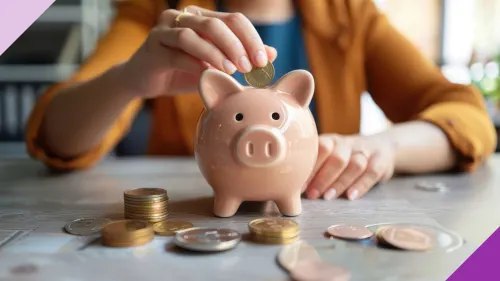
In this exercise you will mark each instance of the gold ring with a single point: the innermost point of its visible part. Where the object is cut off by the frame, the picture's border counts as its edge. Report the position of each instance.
(178, 18)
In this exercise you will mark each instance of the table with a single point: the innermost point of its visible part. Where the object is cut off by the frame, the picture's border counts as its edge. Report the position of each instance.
(34, 206)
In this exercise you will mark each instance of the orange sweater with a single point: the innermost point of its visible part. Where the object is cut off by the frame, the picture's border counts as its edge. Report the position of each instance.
(351, 47)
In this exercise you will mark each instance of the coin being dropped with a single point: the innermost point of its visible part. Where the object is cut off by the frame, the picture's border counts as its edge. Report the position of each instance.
(291, 254)
(407, 238)
(318, 270)
(349, 232)
(260, 76)
(167, 228)
(86, 226)
(207, 239)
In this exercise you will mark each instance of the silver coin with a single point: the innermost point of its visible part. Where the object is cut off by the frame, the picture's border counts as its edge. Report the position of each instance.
(434, 187)
(86, 226)
(207, 239)
(290, 255)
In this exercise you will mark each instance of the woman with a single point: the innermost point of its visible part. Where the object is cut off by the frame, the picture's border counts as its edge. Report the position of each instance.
(157, 54)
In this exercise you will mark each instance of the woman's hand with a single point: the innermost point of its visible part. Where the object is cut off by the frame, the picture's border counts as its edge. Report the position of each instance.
(350, 166)
(183, 44)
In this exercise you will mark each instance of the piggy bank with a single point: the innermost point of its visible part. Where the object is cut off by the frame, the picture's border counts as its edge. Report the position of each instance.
(256, 144)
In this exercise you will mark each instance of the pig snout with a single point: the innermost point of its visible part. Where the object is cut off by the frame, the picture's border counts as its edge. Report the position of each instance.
(260, 146)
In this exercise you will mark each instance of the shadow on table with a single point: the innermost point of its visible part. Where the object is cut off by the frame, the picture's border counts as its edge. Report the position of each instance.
(203, 206)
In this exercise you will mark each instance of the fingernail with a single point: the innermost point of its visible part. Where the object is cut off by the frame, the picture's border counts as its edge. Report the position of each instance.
(261, 58)
(353, 195)
(228, 66)
(330, 194)
(313, 194)
(245, 64)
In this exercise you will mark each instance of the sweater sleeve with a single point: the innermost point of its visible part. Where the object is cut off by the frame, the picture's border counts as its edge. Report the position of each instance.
(407, 86)
(126, 33)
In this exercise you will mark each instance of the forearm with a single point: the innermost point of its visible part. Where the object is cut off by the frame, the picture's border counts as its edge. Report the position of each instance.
(420, 147)
(78, 118)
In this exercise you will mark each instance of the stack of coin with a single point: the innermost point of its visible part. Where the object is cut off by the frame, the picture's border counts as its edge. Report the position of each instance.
(405, 238)
(148, 204)
(274, 230)
(127, 233)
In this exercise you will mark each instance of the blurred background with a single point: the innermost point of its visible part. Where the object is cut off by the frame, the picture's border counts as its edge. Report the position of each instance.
(461, 36)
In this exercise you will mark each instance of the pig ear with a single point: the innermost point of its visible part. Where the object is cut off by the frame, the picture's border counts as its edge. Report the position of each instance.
(299, 83)
(215, 86)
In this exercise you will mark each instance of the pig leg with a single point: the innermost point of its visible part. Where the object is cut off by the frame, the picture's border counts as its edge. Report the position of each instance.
(226, 206)
(290, 206)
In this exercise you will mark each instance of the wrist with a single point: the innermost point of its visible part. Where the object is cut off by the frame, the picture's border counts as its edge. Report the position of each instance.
(122, 88)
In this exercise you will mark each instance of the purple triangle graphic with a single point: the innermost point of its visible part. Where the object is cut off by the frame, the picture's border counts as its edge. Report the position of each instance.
(16, 16)
(483, 264)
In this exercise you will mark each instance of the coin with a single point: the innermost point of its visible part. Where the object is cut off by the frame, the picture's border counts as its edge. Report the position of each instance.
(85, 226)
(407, 238)
(146, 192)
(148, 204)
(349, 232)
(274, 227)
(274, 240)
(289, 255)
(260, 76)
(434, 187)
(314, 270)
(207, 239)
(168, 228)
(127, 233)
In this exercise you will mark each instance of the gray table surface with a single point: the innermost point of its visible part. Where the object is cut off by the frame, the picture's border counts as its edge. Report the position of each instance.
(34, 207)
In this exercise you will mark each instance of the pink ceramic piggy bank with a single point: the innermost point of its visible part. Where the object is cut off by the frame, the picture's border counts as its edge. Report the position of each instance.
(255, 144)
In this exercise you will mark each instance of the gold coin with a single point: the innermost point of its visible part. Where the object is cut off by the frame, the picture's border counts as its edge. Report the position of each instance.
(167, 228)
(145, 192)
(274, 240)
(274, 227)
(260, 76)
(126, 227)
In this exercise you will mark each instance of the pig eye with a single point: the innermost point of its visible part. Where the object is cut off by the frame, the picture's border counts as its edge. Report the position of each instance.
(239, 117)
(275, 116)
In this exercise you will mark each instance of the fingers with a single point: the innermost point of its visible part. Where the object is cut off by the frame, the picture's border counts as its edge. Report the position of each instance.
(190, 42)
(243, 29)
(219, 34)
(357, 165)
(374, 172)
(331, 169)
(272, 53)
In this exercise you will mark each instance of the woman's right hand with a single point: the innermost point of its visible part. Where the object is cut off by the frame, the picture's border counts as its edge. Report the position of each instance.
(176, 52)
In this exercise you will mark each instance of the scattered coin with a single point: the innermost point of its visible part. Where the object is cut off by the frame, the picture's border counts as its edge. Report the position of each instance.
(434, 187)
(207, 239)
(168, 228)
(349, 232)
(260, 76)
(85, 226)
(127, 233)
(274, 230)
(289, 255)
(149, 204)
(406, 238)
(315, 270)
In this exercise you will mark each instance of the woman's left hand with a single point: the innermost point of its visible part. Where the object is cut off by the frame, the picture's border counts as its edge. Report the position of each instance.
(350, 166)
